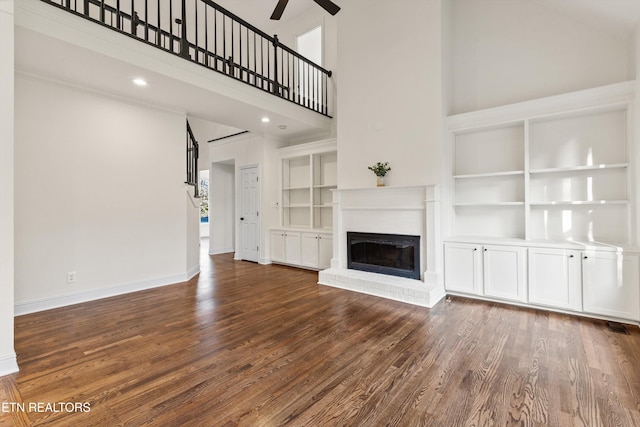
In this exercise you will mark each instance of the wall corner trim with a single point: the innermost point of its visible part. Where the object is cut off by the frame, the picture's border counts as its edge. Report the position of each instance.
(8, 364)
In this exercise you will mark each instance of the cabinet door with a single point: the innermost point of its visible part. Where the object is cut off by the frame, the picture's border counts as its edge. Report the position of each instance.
(463, 268)
(610, 284)
(325, 250)
(309, 250)
(277, 246)
(555, 278)
(292, 248)
(504, 272)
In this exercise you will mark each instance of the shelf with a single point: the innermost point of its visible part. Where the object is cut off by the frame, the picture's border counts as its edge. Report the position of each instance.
(489, 204)
(489, 175)
(307, 181)
(580, 203)
(295, 188)
(580, 168)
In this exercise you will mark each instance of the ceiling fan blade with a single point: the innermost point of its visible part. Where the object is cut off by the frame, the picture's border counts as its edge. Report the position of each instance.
(329, 6)
(277, 12)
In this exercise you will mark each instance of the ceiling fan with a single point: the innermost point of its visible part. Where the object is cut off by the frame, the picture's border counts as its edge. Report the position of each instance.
(328, 5)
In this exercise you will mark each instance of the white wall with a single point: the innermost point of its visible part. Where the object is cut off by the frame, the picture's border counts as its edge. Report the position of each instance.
(390, 91)
(221, 208)
(247, 150)
(7, 354)
(99, 191)
(511, 51)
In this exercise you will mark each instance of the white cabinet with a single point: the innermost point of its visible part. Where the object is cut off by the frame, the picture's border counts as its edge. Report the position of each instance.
(610, 282)
(555, 278)
(303, 249)
(277, 245)
(496, 271)
(285, 247)
(463, 267)
(317, 250)
(504, 272)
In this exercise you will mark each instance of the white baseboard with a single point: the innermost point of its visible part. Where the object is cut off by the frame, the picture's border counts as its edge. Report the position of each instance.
(193, 272)
(264, 261)
(8, 364)
(220, 251)
(33, 306)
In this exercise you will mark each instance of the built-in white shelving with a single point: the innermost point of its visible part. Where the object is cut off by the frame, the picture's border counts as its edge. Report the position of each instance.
(543, 204)
(563, 175)
(488, 175)
(309, 173)
(580, 168)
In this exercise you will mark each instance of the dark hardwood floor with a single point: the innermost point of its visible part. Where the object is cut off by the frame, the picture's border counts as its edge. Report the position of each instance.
(251, 345)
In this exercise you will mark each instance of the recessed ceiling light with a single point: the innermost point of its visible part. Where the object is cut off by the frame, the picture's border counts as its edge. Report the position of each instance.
(140, 82)
(266, 120)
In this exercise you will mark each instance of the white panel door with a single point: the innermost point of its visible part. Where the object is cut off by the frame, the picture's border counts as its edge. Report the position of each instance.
(555, 278)
(611, 284)
(504, 272)
(249, 213)
(463, 268)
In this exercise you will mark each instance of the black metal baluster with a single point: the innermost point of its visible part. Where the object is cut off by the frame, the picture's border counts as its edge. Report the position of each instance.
(102, 11)
(248, 58)
(118, 14)
(184, 45)
(197, 41)
(275, 88)
(146, 20)
(233, 47)
(262, 62)
(158, 37)
(241, 76)
(206, 37)
(215, 39)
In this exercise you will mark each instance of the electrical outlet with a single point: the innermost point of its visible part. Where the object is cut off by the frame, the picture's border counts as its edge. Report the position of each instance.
(71, 277)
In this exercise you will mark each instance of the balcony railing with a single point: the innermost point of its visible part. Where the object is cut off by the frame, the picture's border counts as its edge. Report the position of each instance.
(209, 35)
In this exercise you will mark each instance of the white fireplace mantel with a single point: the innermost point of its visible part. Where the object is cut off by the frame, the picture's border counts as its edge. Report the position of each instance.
(394, 210)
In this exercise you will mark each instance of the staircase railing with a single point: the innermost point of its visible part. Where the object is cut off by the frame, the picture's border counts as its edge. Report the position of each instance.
(207, 34)
(192, 162)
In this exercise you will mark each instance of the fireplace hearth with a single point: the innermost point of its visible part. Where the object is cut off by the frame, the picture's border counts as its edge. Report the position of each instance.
(391, 254)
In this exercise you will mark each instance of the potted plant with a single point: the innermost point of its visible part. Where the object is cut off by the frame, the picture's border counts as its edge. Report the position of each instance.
(380, 169)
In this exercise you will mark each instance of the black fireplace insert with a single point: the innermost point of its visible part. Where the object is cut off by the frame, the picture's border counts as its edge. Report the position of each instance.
(392, 254)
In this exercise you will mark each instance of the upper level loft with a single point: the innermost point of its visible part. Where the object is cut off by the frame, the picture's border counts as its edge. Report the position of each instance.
(215, 73)
(205, 33)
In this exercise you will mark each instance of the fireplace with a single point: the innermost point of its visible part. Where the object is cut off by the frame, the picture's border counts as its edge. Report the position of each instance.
(392, 254)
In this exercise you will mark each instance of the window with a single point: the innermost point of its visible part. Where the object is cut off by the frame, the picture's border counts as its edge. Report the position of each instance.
(309, 44)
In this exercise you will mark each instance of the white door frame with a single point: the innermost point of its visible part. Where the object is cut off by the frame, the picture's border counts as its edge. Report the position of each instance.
(240, 254)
